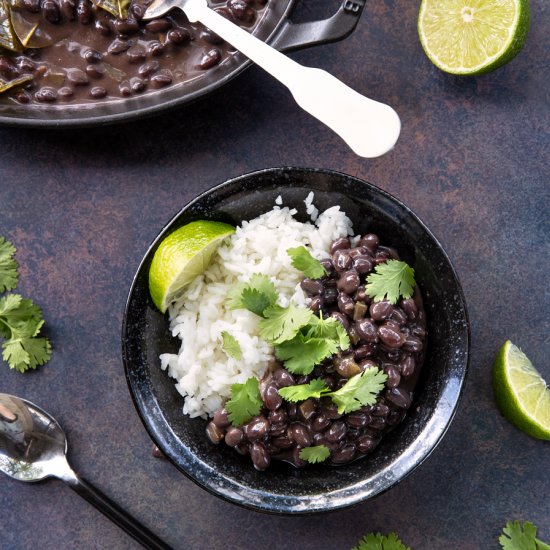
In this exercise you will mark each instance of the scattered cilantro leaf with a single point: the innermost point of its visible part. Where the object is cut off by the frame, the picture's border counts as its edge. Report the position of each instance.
(301, 392)
(303, 261)
(245, 402)
(239, 299)
(359, 390)
(390, 280)
(231, 346)
(283, 323)
(377, 541)
(329, 328)
(8, 266)
(517, 537)
(318, 453)
(301, 354)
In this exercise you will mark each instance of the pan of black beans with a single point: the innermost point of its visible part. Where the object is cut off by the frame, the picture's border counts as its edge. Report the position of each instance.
(82, 62)
(421, 344)
(385, 336)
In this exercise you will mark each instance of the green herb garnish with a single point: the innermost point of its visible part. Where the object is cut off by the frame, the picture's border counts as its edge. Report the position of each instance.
(359, 390)
(245, 402)
(253, 295)
(283, 323)
(303, 261)
(390, 280)
(20, 319)
(301, 354)
(118, 8)
(319, 453)
(376, 541)
(231, 346)
(329, 328)
(301, 392)
(517, 537)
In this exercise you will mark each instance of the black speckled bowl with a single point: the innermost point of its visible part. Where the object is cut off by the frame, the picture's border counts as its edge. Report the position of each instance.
(283, 489)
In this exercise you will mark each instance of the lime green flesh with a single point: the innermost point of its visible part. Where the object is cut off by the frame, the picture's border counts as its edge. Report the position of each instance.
(522, 395)
(468, 37)
(182, 256)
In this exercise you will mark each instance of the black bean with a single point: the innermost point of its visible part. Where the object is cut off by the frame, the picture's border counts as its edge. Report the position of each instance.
(311, 286)
(32, 6)
(366, 330)
(356, 419)
(365, 350)
(22, 97)
(118, 46)
(126, 26)
(277, 429)
(327, 264)
(67, 8)
(329, 381)
(211, 37)
(278, 416)
(138, 11)
(300, 434)
(413, 344)
(295, 457)
(102, 27)
(395, 417)
(343, 454)
(84, 12)
(341, 260)
(214, 433)
(50, 11)
(158, 25)
(342, 243)
(377, 423)
(26, 65)
(366, 444)
(409, 307)
(399, 316)
(95, 71)
(363, 264)
(394, 378)
(399, 397)
(125, 89)
(259, 455)
(210, 59)
(368, 364)
(137, 84)
(348, 282)
(92, 56)
(336, 431)
(380, 257)
(283, 442)
(8, 69)
(256, 428)
(380, 310)
(136, 54)
(361, 295)
(98, 92)
(155, 48)
(418, 330)
(320, 422)
(178, 36)
(271, 397)
(390, 336)
(345, 304)
(380, 410)
(370, 241)
(341, 317)
(242, 11)
(407, 366)
(283, 378)
(242, 448)
(77, 77)
(233, 436)
(46, 94)
(220, 418)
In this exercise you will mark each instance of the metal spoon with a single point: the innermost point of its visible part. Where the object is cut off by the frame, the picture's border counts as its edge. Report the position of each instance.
(370, 128)
(33, 447)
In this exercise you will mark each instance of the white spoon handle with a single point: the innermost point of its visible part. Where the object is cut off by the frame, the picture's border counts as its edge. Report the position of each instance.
(370, 128)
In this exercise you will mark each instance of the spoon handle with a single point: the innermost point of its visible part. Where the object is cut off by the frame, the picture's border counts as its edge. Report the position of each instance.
(369, 127)
(122, 518)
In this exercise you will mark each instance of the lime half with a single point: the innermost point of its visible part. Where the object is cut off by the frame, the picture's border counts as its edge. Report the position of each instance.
(522, 395)
(182, 256)
(469, 37)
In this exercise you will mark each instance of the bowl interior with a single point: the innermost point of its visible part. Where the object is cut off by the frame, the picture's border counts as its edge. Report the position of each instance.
(282, 488)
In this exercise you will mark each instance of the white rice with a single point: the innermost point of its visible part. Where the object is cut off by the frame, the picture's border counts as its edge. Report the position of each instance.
(203, 371)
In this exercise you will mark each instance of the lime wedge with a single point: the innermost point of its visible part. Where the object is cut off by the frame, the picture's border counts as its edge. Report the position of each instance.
(469, 37)
(522, 395)
(182, 256)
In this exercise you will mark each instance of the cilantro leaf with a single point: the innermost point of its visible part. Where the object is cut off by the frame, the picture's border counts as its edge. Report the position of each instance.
(301, 392)
(26, 352)
(301, 354)
(231, 346)
(517, 537)
(245, 402)
(329, 328)
(283, 323)
(16, 310)
(303, 261)
(378, 541)
(359, 390)
(390, 280)
(259, 283)
(8, 266)
(255, 301)
(319, 453)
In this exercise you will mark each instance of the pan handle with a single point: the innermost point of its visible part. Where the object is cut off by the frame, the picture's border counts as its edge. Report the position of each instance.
(296, 36)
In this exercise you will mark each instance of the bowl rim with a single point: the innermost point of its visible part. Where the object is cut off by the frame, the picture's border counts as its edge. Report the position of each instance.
(339, 498)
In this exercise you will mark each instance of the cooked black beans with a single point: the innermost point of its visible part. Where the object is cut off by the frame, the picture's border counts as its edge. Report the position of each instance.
(383, 336)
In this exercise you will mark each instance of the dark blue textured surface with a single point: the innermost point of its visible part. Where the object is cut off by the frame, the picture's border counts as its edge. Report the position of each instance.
(81, 207)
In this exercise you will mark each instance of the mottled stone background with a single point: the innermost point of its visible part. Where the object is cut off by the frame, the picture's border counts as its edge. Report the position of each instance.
(82, 207)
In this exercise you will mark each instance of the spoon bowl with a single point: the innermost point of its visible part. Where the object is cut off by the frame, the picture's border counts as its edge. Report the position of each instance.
(33, 447)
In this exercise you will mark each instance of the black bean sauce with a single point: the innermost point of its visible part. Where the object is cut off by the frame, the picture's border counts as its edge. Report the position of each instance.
(385, 336)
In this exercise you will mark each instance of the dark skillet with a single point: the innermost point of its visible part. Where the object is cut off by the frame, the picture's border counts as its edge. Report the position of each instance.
(281, 488)
(276, 28)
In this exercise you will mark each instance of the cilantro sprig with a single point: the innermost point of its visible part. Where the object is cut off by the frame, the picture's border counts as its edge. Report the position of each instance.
(521, 537)
(245, 402)
(318, 453)
(377, 541)
(20, 319)
(303, 261)
(390, 280)
(231, 346)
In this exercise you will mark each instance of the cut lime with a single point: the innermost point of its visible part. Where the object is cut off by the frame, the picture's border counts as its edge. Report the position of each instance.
(182, 256)
(522, 395)
(469, 37)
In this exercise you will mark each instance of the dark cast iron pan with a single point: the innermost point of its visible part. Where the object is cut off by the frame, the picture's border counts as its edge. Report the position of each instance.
(276, 28)
(282, 488)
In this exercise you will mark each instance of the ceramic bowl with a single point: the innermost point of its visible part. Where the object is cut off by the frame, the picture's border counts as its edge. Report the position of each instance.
(282, 488)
